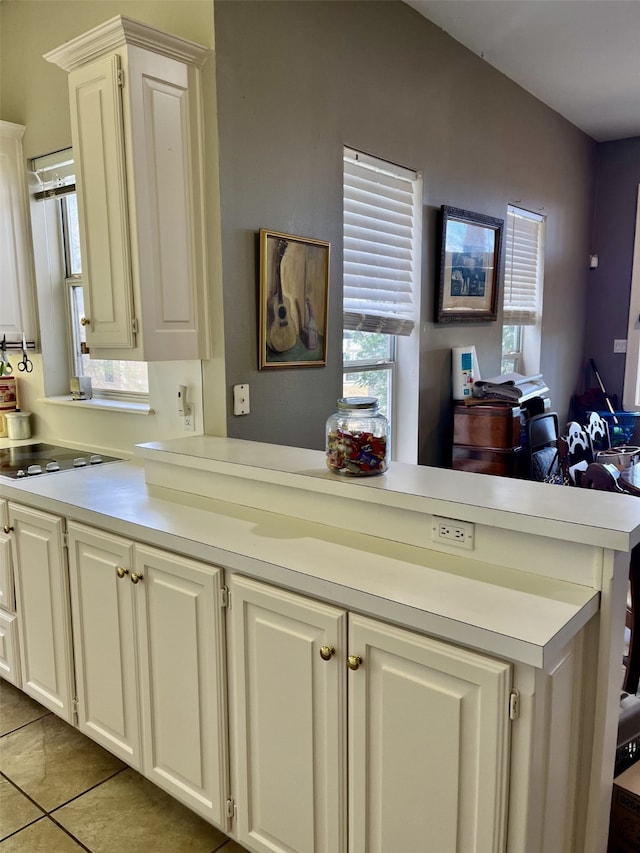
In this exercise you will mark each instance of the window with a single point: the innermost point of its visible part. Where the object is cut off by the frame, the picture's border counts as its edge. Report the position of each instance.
(631, 394)
(109, 378)
(381, 301)
(523, 285)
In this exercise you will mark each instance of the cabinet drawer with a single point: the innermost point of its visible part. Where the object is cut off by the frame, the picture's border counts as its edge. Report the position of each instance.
(503, 463)
(491, 426)
(9, 658)
(7, 594)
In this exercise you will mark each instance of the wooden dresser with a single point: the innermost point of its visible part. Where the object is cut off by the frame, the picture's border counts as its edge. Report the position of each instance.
(487, 439)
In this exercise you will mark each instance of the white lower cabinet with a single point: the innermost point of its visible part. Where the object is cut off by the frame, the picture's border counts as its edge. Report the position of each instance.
(102, 607)
(288, 720)
(149, 650)
(42, 605)
(424, 765)
(9, 648)
(428, 744)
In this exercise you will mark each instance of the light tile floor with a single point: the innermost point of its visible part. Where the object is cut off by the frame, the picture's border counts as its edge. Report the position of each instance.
(62, 793)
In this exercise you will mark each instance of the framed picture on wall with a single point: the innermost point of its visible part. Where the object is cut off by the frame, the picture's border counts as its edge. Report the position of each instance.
(294, 297)
(469, 266)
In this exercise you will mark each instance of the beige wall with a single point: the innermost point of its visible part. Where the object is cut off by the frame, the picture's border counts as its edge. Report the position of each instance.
(34, 93)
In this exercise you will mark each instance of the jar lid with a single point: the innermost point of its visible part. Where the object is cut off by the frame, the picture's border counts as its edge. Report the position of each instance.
(358, 402)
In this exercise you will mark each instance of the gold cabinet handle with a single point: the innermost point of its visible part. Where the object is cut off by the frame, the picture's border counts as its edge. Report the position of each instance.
(85, 321)
(7, 528)
(327, 652)
(135, 577)
(354, 661)
(121, 572)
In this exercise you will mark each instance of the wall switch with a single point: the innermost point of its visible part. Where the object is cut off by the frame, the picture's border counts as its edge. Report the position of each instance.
(240, 399)
(620, 345)
(450, 531)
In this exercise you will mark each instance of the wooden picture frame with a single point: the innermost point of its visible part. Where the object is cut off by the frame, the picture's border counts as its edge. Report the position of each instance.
(469, 266)
(294, 300)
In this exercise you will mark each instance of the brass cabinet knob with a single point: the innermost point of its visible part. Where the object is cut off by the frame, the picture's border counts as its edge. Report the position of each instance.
(121, 572)
(327, 652)
(354, 661)
(85, 321)
(8, 529)
(135, 577)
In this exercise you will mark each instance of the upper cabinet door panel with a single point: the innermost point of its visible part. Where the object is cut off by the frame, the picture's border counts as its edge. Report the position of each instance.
(98, 143)
(159, 105)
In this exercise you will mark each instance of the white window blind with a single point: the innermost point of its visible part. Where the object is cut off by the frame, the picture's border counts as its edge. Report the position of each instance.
(523, 268)
(382, 250)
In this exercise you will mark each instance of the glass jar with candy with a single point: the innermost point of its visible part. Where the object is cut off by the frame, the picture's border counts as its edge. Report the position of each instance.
(358, 439)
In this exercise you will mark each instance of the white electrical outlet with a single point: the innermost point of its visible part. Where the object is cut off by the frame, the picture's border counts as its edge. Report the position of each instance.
(189, 420)
(241, 400)
(620, 345)
(450, 531)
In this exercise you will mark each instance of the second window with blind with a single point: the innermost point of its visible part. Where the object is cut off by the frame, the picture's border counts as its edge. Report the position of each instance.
(523, 286)
(381, 301)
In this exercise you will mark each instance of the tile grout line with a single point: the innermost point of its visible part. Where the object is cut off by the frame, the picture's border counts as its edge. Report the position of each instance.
(91, 788)
(66, 831)
(50, 815)
(24, 725)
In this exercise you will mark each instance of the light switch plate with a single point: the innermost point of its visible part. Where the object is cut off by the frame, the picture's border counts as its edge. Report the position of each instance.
(241, 400)
(620, 345)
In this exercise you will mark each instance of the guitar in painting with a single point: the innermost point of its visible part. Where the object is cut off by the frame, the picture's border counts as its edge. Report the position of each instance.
(281, 331)
(308, 327)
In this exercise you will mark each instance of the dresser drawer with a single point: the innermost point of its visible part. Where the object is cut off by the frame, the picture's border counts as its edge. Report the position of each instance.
(495, 426)
(503, 463)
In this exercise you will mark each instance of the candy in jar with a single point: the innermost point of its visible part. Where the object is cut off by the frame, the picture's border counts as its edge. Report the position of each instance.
(357, 438)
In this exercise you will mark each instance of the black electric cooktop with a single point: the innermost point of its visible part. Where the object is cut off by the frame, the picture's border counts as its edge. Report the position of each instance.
(32, 460)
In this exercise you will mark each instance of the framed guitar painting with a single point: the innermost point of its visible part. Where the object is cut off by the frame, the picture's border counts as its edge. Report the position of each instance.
(294, 296)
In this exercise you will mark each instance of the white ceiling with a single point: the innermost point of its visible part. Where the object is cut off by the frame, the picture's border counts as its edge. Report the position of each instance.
(581, 57)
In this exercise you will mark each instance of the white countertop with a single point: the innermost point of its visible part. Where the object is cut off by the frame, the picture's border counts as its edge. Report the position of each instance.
(515, 615)
(568, 514)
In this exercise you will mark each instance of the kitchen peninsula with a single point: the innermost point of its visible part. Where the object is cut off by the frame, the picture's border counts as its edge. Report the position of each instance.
(355, 657)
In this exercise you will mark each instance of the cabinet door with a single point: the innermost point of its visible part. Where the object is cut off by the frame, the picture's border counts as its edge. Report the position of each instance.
(7, 594)
(288, 721)
(42, 600)
(98, 144)
(182, 677)
(9, 657)
(428, 744)
(104, 640)
(162, 104)
(17, 280)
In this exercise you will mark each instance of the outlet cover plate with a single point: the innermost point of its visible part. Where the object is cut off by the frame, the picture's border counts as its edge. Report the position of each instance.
(452, 531)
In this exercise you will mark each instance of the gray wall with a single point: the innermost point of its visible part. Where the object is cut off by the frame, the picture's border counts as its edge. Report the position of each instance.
(298, 80)
(609, 286)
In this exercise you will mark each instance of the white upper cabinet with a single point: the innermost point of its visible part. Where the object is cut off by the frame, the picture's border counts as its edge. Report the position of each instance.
(17, 284)
(137, 132)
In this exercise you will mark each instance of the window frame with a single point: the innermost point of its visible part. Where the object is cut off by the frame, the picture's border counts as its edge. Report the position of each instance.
(631, 388)
(403, 365)
(74, 351)
(526, 358)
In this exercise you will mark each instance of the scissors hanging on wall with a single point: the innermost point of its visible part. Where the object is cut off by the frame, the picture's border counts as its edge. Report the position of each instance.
(5, 365)
(25, 365)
